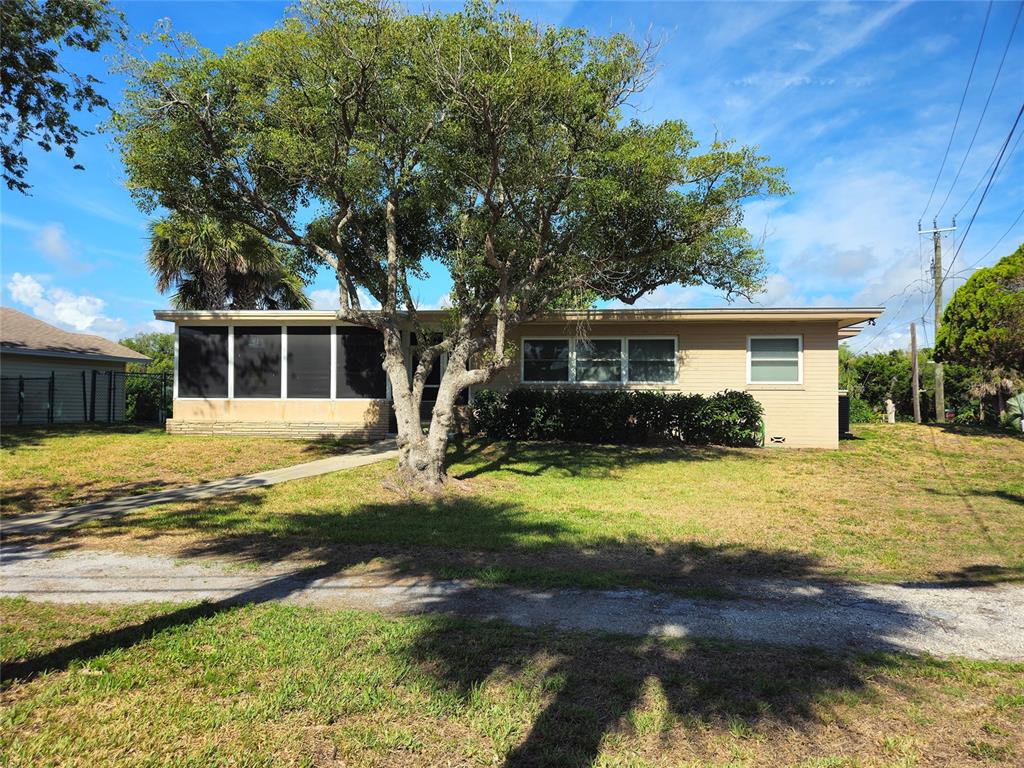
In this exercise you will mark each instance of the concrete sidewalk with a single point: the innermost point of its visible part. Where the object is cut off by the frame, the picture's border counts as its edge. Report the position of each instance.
(978, 623)
(102, 510)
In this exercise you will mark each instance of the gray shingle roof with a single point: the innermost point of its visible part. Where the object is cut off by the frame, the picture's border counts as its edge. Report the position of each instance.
(25, 334)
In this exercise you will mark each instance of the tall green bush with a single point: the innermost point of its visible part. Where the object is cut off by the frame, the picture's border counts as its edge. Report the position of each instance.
(618, 416)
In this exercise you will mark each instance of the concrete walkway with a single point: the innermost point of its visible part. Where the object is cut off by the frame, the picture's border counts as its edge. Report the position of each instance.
(102, 510)
(979, 623)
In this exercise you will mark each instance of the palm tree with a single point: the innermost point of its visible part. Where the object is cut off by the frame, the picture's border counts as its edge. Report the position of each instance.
(213, 265)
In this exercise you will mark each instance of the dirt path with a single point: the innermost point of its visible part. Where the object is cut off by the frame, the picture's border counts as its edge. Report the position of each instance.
(980, 623)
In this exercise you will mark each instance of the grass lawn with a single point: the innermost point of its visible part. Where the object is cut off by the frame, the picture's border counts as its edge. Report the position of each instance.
(45, 468)
(273, 685)
(899, 503)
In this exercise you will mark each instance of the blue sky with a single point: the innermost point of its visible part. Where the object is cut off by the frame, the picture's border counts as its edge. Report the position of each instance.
(857, 101)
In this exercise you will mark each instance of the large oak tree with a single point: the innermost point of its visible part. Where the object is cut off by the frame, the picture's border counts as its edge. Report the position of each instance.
(380, 142)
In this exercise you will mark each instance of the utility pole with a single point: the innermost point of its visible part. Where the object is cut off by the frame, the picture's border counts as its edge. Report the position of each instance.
(915, 374)
(940, 381)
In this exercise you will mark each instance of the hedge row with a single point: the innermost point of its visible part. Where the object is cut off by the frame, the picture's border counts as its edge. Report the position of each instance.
(618, 416)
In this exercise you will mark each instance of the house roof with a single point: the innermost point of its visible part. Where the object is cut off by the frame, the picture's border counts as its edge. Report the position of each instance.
(25, 335)
(845, 317)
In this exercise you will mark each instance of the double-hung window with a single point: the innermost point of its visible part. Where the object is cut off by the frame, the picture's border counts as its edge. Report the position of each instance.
(546, 360)
(775, 360)
(599, 360)
(652, 360)
(642, 360)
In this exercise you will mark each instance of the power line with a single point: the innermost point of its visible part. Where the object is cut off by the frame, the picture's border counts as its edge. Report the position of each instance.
(956, 121)
(892, 318)
(988, 99)
(988, 186)
(986, 173)
(997, 242)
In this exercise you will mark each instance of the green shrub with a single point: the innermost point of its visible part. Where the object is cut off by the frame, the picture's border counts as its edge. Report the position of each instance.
(618, 416)
(861, 411)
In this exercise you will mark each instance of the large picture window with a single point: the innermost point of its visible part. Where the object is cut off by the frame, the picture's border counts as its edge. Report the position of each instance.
(599, 360)
(360, 354)
(774, 360)
(257, 361)
(202, 361)
(309, 361)
(546, 360)
(652, 360)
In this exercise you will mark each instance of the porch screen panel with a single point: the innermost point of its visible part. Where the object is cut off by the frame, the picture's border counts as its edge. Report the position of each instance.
(258, 361)
(360, 354)
(309, 361)
(202, 361)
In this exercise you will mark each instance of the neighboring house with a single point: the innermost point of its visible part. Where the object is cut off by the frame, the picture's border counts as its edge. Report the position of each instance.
(303, 373)
(54, 376)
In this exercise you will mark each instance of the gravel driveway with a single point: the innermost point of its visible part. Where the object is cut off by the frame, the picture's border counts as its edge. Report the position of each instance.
(979, 623)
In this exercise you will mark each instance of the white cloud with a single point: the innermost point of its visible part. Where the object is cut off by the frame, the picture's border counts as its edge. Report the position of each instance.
(324, 298)
(52, 243)
(78, 312)
(327, 298)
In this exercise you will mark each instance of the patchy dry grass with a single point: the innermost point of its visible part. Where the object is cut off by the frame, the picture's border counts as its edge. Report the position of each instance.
(273, 685)
(899, 503)
(44, 468)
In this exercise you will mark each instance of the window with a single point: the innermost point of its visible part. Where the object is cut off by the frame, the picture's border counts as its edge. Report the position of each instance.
(257, 361)
(774, 360)
(309, 361)
(546, 360)
(202, 361)
(360, 354)
(652, 360)
(599, 360)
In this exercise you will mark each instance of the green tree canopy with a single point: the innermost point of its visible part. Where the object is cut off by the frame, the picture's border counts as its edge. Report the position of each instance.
(158, 347)
(477, 140)
(39, 93)
(983, 324)
(213, 265)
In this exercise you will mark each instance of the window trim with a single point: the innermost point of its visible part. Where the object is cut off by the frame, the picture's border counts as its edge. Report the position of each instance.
(569, 340)
(624, 380)
(675, 359)
(799, 360)
(623, 359)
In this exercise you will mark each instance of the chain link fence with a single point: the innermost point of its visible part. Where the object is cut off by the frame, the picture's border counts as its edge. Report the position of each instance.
(114, 397)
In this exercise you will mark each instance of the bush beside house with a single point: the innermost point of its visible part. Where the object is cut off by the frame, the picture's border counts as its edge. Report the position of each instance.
(618, 417)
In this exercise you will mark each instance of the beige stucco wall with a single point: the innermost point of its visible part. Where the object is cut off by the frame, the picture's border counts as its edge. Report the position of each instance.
(712, 356)
(298, 417)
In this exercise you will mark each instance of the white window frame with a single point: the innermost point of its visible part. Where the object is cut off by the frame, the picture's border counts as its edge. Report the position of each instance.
(675, 359)
(624, 379)
(799, 360)
(622, 359)
(572, 359)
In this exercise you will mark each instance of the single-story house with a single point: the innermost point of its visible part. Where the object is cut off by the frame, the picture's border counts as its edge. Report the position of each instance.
(49, 375)
(304, 373)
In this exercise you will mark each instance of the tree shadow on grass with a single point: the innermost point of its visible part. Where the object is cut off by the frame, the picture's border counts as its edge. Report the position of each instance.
(593, 684)
(576, 460)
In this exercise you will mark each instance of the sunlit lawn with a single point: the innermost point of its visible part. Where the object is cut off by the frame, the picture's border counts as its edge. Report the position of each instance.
(271, 685)
(44, 468)
(899, 503)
